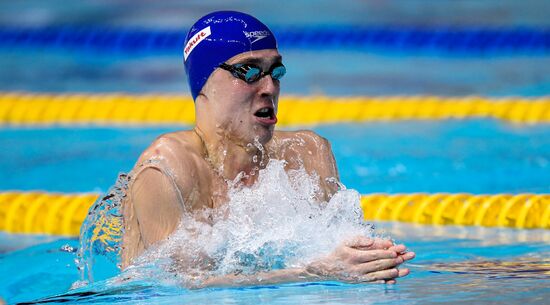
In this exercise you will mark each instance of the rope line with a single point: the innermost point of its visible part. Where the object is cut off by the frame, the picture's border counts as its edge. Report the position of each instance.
(63, 214)
(446, 40)
(105, 109)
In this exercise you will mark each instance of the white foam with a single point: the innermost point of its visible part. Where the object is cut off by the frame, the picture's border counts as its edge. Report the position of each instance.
(276, 223)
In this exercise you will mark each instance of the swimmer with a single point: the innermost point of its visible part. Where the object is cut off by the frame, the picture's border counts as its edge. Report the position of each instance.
(234, 71)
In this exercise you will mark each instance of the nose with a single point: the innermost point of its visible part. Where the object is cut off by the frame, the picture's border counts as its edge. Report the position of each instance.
(269, 87)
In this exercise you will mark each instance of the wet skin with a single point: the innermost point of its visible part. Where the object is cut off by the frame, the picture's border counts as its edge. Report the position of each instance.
(233, 139)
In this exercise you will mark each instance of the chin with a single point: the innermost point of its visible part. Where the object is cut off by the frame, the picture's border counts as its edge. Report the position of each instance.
(264, 134)
(266, 138)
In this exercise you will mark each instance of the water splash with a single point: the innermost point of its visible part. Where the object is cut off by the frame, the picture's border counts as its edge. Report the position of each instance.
(98, 256)
(276, 223)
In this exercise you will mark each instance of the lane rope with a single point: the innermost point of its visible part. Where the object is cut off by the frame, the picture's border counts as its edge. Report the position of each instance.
(441, 40)
(63, 214)
(123, 109)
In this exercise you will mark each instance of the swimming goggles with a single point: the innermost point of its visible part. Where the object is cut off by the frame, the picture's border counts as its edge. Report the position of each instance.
(251, 73)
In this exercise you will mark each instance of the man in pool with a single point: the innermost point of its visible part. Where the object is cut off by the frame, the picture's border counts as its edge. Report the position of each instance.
(234, 69)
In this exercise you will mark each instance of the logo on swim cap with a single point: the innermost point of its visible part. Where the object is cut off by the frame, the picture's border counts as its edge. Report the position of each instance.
(195, 40)
(216, 38)
(256, 35)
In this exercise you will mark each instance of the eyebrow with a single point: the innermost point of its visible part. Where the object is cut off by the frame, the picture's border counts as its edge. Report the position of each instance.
(260, 60)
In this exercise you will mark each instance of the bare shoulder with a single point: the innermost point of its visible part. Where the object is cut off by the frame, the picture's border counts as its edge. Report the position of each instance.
(306, 149)
(302, 141)
(175, 148)
(304, 134)
(157, 193)
(176, 153)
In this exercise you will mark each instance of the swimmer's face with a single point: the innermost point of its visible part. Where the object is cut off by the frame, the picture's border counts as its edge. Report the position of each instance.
(244, 111)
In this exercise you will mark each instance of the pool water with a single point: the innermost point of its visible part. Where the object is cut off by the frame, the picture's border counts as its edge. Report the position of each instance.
(474, 156)
(334, 73)
(453, 265)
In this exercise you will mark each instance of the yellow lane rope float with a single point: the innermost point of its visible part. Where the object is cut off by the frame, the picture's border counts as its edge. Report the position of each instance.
(63, 214)
(47, 109)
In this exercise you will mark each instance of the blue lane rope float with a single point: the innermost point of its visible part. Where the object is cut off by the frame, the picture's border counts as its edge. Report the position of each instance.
(446, 40)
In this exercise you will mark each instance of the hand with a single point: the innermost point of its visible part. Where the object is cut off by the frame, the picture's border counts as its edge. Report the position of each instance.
(363, 260)
(380, 243)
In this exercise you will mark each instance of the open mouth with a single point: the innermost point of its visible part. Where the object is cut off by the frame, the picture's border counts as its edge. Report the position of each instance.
(266, 115)
(265, 112)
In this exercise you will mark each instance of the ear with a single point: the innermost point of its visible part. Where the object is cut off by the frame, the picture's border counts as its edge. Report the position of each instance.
(201, 98)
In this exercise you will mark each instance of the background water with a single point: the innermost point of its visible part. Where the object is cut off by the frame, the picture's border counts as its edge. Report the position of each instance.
(475, 156)
(453, 265)
(456, 265)
(380, 71)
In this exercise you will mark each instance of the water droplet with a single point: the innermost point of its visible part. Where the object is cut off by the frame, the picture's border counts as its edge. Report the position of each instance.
(67, 248)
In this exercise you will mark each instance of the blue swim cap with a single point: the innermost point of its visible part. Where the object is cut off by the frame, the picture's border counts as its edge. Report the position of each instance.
(217, 37)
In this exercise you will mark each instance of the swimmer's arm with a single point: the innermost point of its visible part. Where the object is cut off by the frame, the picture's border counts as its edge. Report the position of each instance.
(320, 160)
(360, 260)
(157, 205)
(154, 214)
(294, 275)
(263, 278)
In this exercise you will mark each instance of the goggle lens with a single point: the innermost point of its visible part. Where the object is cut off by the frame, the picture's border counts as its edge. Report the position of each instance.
(278, 72)
(251, 73)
